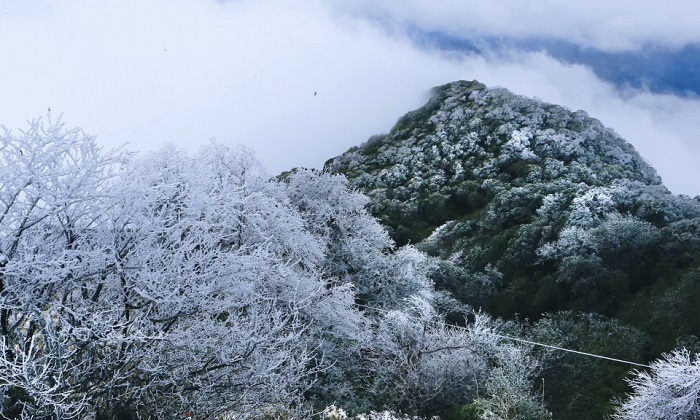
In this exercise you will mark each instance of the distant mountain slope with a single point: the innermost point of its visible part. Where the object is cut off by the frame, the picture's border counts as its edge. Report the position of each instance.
(534, 208)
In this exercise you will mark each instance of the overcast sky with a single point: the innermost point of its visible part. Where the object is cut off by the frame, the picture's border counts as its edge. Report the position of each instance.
(147, 72)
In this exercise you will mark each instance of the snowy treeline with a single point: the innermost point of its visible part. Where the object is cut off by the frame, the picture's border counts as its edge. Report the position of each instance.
(147, 287)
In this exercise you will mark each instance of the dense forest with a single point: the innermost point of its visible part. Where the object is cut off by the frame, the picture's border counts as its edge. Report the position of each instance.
(417, 275)
(544, 217)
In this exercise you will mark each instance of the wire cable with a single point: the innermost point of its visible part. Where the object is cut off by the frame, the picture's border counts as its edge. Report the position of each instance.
(533, 343)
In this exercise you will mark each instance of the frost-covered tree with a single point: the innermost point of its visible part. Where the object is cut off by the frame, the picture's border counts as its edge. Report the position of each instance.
(508, 388)
(228, 276)
(59, 342)
(669, 390)
(417, 364)
(150, 286)
(356, 246)
(154, 286)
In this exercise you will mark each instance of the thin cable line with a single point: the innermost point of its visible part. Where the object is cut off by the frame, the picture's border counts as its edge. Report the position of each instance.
(534, 343)
(570, 351)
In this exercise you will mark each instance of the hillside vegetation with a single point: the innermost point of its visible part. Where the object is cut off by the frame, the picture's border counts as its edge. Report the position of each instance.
(544, 216)
(173, 285)
(437, 270)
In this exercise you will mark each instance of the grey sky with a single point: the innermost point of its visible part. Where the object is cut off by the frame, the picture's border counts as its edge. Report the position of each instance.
(184, 71)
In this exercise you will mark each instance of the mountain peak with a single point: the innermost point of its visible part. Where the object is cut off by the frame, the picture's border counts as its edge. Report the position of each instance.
(528, 204)
(531, 211)
(468, 143)
(472, 131)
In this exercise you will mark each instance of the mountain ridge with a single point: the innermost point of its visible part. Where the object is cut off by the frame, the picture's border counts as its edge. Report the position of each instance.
(545, 217)
(473, 139)
(535, 207)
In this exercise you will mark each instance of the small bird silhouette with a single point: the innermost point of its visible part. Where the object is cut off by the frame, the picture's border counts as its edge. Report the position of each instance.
(315, 93)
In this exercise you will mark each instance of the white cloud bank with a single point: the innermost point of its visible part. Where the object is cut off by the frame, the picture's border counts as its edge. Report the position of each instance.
(185, 71)
(603, 24)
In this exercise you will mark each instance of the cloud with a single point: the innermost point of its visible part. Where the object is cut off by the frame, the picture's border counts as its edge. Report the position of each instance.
(601, 24)
(244, 71)
(663, 128)
(185, 71)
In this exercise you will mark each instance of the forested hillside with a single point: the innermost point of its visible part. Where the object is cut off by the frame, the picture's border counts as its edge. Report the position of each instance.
(174, 285)
(544, 216)
(418, 275)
